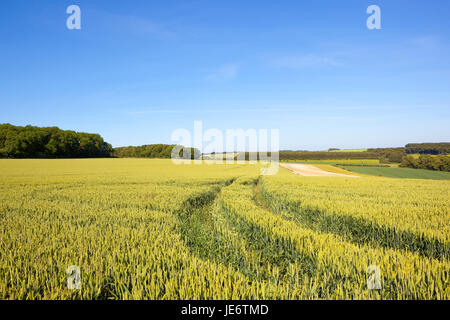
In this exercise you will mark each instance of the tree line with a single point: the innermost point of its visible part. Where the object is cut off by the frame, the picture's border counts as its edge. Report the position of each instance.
(325, 155)
(428, 148)
(388, 155)
(163, 151)
(50, 142)
(429, 162)
(385, 155)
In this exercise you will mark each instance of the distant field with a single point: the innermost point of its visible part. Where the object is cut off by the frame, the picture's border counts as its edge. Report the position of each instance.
(405, 173)
(417, 155)
(218, 156)
(326, 155)
(350, 150)
(336, 161)
(335, 169)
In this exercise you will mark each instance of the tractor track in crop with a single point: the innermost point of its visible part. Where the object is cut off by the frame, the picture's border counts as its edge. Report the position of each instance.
(352, 229)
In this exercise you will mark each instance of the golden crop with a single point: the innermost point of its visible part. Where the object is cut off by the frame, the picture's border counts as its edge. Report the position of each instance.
(149, 229)
(390, 210)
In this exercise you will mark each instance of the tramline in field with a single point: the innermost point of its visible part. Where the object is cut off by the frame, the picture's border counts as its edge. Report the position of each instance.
(149, 229)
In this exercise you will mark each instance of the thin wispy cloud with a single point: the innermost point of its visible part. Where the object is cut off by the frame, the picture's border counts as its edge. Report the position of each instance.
(147, 26)
(304, 110)
(240, 110)
(224, 73)
(134, 24)
(155, 111)
(224, 110)
(426, 42)
(304, 61)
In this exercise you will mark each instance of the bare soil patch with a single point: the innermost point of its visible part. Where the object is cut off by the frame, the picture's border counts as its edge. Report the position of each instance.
(309, 170)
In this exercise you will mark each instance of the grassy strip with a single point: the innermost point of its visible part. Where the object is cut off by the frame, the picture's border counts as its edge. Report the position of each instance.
(336, 161)
(363, 165)
(275, 251)
(404, 173)
(202, 235)
(212, 232)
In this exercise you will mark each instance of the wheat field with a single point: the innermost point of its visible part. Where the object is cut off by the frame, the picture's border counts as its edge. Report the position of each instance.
(150, 229)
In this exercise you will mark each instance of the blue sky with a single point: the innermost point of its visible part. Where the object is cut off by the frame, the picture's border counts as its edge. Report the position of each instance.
(137, 70)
